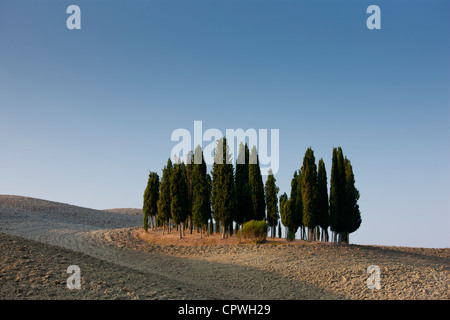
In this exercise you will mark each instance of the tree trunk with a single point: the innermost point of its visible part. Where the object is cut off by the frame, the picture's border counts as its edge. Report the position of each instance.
(180, 230)
(223, 231)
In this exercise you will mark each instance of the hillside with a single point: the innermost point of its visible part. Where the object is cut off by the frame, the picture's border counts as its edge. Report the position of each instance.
(115, 256)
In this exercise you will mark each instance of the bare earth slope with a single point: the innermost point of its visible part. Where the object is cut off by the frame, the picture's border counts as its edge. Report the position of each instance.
(40, 239)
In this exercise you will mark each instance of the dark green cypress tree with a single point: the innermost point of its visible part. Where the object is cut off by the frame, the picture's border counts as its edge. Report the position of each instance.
(298, 213)
(334, 195)
(279, 229)
(309, 192)
(352, 212)
(200, 192)
(286, 217)
(293, 203)
(342, 221)
(209, 209)
(151, 196)
(256, 186)
(189, 168)
(164, 201)
(345, 216)
(322, 200)
(244, 207)
(294, 190)
(179, 195)
(223, 192)
(272, 201)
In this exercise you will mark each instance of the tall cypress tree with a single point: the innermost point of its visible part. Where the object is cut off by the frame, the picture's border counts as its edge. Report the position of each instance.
(279, 229)
(342, 221)
(345, 216)
(334, 185)
(286, 216)
(179, 195)
(244, 207)
(336, 195)
(352, 212)
(256, 186)
(293, 207)
(189, 168)
(272, 201)
(298, 213)
(223, 192)
(309, 192)
(164, 201)
(322, 200)
(151, 196)
(209, 209)
(200, 192)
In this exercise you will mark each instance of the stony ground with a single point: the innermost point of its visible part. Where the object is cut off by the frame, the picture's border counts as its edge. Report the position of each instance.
(39, 239)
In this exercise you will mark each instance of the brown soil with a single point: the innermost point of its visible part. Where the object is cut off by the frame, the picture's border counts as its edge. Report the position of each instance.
(118, 260)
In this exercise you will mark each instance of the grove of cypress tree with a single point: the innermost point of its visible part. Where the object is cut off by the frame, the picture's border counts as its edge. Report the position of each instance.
(151, 196)
(322, 200)
(272, 201)
(309, 192)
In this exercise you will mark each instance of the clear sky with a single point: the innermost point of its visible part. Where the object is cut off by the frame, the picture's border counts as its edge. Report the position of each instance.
(85, 114)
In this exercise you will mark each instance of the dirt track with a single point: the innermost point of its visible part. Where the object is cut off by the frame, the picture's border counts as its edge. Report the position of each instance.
(118, 261)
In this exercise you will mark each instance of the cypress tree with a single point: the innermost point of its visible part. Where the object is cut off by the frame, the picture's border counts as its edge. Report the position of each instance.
(336, 196)
(189, 168)
(334, 212)
(151, 196)
(342, 220)
(256, 186)
(296, 204)
(179, 195)
(322, 200)
(345, 216)
(286, 217)
(272, 201)
(200, 192)
(279, 229)
(309, 192)
(223, 192)
(209, 209)
(164, 201)
(244, 207)
(298, 208)
(353, 214)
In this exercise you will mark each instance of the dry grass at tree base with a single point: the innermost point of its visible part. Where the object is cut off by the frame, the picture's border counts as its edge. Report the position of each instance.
(156, 237)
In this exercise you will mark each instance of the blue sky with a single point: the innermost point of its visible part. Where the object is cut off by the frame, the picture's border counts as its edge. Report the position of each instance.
(85, 114)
